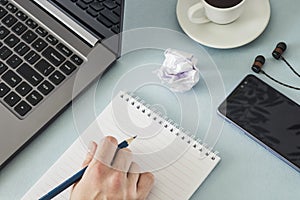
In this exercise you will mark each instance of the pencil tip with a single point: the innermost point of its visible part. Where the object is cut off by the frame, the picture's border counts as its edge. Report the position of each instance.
(134, 137)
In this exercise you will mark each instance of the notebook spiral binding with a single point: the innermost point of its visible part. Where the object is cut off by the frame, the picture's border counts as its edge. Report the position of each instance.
(166, 122)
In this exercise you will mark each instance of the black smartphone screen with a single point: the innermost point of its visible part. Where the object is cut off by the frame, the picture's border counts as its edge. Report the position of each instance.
(267, 115)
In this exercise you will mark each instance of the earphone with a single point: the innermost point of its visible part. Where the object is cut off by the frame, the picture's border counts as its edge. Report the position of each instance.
(277, 54)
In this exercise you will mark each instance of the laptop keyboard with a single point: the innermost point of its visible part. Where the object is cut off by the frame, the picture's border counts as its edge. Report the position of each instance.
(102, 16)
(32, 61)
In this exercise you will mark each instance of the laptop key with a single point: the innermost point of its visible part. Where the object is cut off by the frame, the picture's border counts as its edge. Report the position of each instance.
(11, 78)
(53, 56)
(104, 21)
(110, 4)
(29, 36)
(12, 98)
(34, 98)
(5, 52)
(3, 67)
(56, 77)
(23, 89)
(115, 29)
(21, 48)
(42, 32)
(67, 68)
(82, 5)
(32, 57)
(32, 24)
(22, 108)
(3, 2)
(110, 16)
(19, 28)
(3, 32)
(9, 20)
(4, 89)
(117, 11)
(76, 59)
(63, 49)
(14, 61)
(118, 2)
(3, 12)
(44, 67)
(92, 12)
(11, 40)
(11, 8)
(45, 88)
(21, 16)
(97, 6)
(51, 39)
(39, 45)
(30, 74)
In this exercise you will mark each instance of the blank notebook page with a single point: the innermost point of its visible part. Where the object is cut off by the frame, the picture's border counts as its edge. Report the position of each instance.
(179, 163)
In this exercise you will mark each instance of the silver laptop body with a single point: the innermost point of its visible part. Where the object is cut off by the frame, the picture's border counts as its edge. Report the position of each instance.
(16, 130)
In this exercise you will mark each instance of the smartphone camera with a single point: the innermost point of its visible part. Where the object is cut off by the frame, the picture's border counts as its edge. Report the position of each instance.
(244, 84)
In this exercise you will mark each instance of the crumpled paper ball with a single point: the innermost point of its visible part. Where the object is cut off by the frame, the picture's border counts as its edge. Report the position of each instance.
(178, 71)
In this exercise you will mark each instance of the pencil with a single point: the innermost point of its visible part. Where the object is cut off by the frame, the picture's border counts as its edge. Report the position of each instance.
(76, 177)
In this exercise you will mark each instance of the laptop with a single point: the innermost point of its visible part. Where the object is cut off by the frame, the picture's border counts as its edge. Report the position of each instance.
(50, 51)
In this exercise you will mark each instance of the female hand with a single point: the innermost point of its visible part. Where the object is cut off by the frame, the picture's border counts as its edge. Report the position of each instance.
(119, 180)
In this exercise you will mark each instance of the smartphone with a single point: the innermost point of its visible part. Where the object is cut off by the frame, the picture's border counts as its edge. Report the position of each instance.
(267, 116)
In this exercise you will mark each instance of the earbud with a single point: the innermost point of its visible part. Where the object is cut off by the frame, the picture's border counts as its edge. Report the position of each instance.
(279, 49)
(258, 63)
(257, 68)
(277, 54)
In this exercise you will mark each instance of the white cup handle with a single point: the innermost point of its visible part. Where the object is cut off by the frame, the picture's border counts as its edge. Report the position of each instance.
(197, 8)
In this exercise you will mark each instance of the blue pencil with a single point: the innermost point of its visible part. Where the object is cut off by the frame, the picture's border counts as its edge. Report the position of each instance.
(76, 177)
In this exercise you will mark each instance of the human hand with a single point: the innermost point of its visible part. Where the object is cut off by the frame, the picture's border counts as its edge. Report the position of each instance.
(118, 181)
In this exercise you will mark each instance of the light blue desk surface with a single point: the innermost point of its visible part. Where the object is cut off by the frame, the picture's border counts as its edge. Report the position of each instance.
(247, 170)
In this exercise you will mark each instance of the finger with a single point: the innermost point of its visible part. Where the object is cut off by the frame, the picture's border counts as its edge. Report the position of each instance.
(133, 176)
(122, 160)
(134, 172)
(145, 184)
(106, 150)
(89, 156)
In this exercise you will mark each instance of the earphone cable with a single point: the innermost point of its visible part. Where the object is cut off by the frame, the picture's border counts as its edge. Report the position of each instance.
(286, 85)
(288, 64)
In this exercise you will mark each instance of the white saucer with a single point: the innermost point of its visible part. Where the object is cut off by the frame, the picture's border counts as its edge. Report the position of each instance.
(248, 27)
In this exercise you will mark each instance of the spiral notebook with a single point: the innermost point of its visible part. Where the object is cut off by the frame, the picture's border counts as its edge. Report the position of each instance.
(179, 162)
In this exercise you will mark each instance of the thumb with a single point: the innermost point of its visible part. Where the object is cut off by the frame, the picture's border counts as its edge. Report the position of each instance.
(89, 157)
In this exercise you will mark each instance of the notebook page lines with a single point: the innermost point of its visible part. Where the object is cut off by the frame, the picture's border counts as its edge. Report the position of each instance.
(64, 167)
(180, 179)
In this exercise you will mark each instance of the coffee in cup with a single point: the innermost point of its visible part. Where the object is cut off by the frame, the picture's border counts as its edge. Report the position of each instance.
(217, 11)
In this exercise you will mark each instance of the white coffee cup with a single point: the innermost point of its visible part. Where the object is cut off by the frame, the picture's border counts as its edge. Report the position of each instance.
(206, 13)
